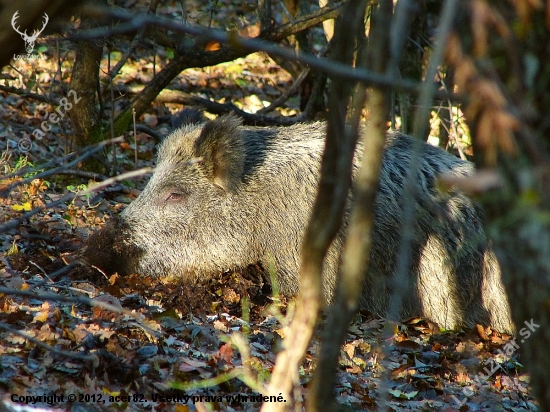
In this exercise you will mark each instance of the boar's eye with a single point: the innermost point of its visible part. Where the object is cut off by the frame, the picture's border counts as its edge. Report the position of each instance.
(176, 197)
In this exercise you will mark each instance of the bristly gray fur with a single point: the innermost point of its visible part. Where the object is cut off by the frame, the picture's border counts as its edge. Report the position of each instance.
(249, 198)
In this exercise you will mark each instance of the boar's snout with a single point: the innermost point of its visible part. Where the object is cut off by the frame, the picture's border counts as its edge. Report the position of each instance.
(112, 250)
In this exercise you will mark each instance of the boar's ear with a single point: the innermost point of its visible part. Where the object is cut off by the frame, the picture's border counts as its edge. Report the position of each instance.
(221, 147)
(187, 116)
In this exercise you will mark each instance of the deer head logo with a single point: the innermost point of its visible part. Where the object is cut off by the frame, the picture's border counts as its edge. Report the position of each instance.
(29, 40)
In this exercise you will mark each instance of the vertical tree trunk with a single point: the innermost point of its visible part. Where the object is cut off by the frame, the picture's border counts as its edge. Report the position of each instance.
(357, 246)
(326, 218)
(84, 113)
(85, 81)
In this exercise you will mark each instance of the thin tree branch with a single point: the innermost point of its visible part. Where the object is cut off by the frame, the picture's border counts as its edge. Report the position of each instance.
(286, 95)
(326, 217)
(82, 173)
(137, 39)
(25, 170)
(27, 94)
(144, 129)
(87, 153)
(79, 299)
(243, 46)
(45, 345)
(358, 242)
(67, 198)
(258, 119)
(401, 277)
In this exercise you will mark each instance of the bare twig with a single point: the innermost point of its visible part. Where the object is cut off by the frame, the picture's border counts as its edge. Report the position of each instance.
(135, 140)
(67, 198)
(53, 275)
(326, 217)
(286, 12)
(358, 242)
(331, 67)
(137, 39)
(82, 173)
(27, 94)
(176, 96)
(24, 75)
(79, 299)
(452, 124)
(36, 265)
(87, 153)
(27, 169)
(401, 278)
(285, 96)
(144, 129)
(45, 345)
(112, 111)
(399, 33)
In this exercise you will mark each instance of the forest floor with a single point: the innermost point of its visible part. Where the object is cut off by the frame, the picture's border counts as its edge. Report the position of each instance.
(182, 347)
